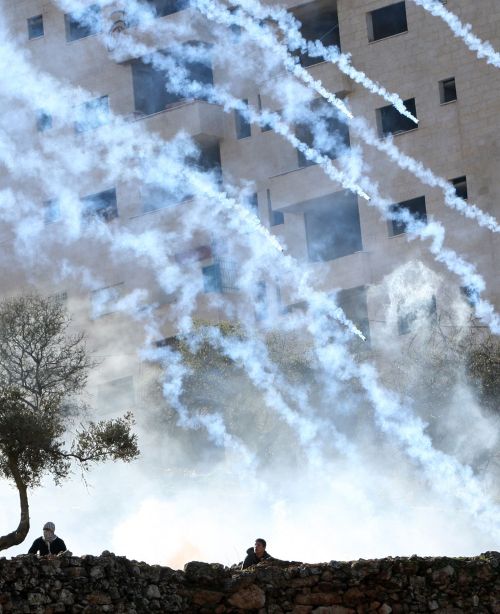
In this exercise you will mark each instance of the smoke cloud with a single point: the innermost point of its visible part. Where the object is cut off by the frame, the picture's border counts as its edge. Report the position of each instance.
(286, 425)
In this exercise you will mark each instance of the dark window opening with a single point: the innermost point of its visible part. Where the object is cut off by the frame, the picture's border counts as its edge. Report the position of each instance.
(387, 21)
(319, 21)
(329, 138)
(264, 127)
(92, 114)
(35, 27)
(167, 7)
(221, 276)
(157, 196)
(209, 160)
(460, 185)
(261, 303)
(415, 206)
(333, 228)
(211, 278)
(354, 304)
(447, 90)
(85, 25)
(243, 129)
(151, 88)
(43, 121)
(101, 205)
(276, 218)
(470, 294)
(390, 120)
(167, 342)
(254, 204)
(52, 211)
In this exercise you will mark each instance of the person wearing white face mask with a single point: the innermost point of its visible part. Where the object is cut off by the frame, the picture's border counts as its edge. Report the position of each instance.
(49, 543)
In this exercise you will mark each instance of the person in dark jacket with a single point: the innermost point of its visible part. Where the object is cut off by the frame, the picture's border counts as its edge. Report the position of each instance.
(49, 543)
(256, 554)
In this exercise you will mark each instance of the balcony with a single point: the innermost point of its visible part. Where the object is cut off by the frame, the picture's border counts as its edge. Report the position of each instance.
(290, 189)
(197, 117)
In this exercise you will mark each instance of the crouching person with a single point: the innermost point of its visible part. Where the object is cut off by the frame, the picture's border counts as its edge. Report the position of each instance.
(256, 554)
(49, 543)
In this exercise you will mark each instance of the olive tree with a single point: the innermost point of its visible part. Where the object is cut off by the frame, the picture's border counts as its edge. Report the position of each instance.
(43, 371)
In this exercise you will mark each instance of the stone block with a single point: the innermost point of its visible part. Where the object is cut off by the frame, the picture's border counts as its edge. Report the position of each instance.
(318, 599)
(250, 598)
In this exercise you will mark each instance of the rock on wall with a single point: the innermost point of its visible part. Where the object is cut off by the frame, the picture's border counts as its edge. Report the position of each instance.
(110, 583)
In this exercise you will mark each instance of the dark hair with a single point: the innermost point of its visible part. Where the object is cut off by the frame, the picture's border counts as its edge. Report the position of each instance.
(262, 541)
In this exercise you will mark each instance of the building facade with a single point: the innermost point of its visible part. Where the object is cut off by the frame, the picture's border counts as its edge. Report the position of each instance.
(343, 239)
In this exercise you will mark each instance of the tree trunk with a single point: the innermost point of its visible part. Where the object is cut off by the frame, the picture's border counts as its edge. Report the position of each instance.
(19, 535)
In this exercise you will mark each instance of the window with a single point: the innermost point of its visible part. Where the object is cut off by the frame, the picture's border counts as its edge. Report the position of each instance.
(408, 315)
(254, 204)
(415, 206)
(390, 120)
(387, 21)
(234, 27)
(353, 303)
(83, 25)
(104, 300)
(151, 88)
(220, 277)
(329, 137)
(52, 211)
(447, 90)
(243, 129)
(43, 121)
(166, 7)
(460, 185)
(261, 301)
(275, 217)
(101, 205)
(35, 27)
(470, 294)
(92, 114)
(332, 226)
(156, 196)
(264, 127)
(319, 21)
(209, 160)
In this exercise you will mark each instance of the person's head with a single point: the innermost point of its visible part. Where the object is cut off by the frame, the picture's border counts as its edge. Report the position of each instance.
(48, 530)
(260, 546)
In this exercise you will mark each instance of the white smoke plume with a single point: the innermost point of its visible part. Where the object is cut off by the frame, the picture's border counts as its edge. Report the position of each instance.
(483, 49)
(341, 447)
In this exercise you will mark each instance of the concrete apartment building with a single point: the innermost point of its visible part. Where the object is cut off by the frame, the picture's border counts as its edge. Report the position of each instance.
(455, 96)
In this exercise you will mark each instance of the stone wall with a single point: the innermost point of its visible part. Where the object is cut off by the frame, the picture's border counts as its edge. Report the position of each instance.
(110, 583)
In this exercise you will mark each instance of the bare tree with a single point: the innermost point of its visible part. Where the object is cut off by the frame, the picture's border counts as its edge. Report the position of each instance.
(43, 368)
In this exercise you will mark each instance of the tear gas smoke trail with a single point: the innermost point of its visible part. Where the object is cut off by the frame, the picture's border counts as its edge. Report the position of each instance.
(446, 475)
(264, 37)
(484, 310)
(426, 175)
(212, 423)
(435, 232)
(252, 353)
(219, 13)
(344, 368)
(483, 49)
(290, 26)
